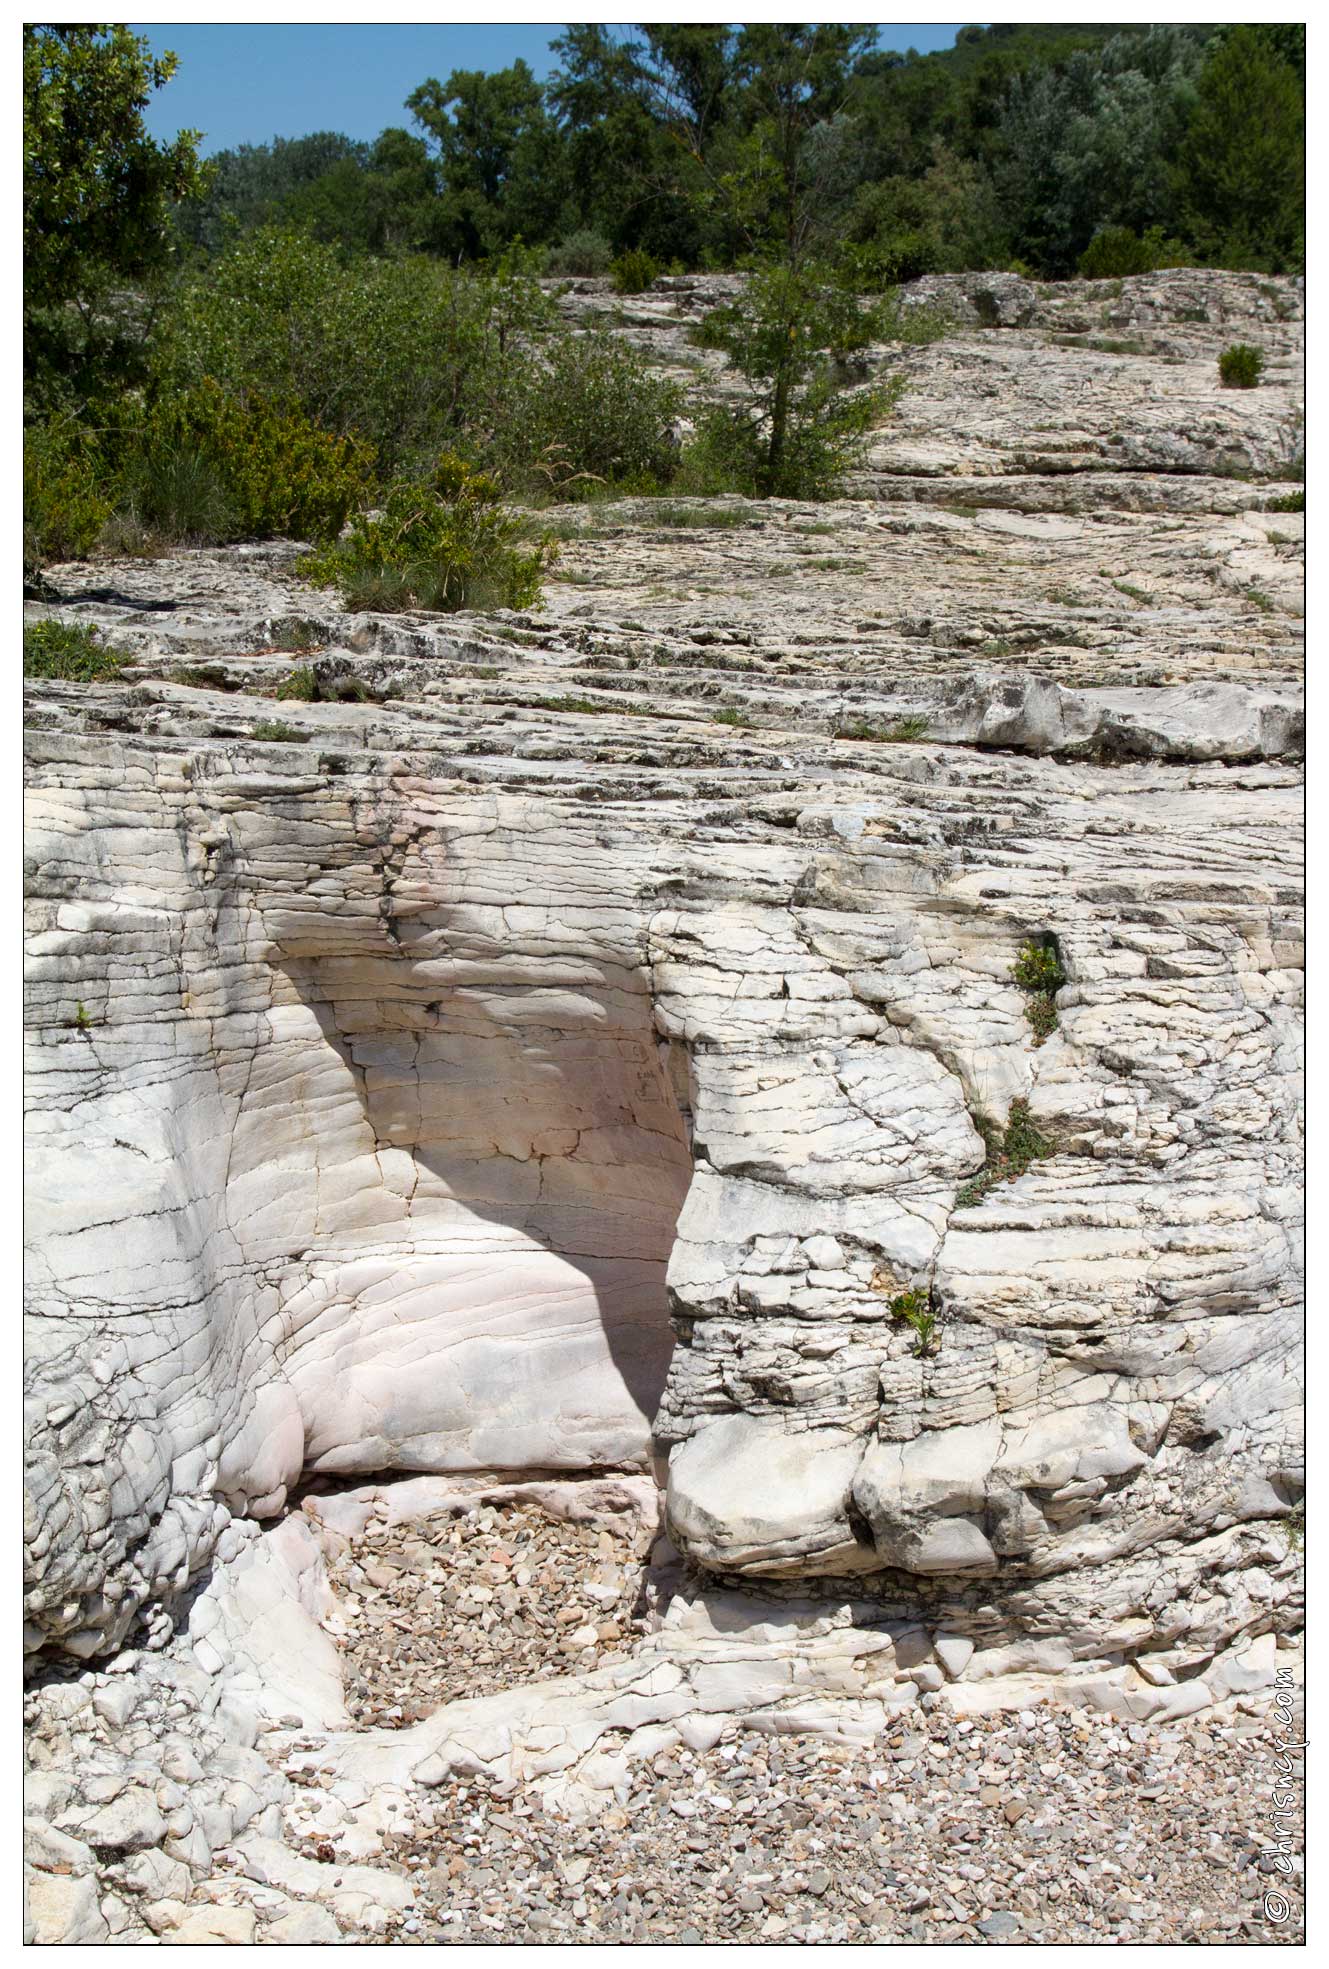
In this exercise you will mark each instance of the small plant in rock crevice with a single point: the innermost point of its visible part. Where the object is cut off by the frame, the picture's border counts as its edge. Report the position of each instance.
(1240, 366)
(1010, 1151)
(271, 731)
(297, 633)
(1038, 973)
(299, 685)
(903, 731)
(914, 1309)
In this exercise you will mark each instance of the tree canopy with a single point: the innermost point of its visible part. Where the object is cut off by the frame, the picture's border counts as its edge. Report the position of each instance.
(1019, 146)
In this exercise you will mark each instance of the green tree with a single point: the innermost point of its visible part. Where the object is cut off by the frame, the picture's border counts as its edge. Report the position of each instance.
(1242, 163)
(621, 161)
(781, 171)
(945, 221)
(255, 184)
(1092, 143)
(97, 195)
(496, 161)
(791, 333)
(795, 83)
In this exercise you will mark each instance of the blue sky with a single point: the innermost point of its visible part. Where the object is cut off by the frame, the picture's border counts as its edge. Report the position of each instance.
(247, 84)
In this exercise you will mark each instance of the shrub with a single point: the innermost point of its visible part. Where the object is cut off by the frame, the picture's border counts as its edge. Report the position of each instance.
(1115, 251)
(172, 492)
(71, 652)
(299, 684)
(914, 325)
(1287, 502)
(271, 731)
(583, 254)
(586, 414)
(799, 428)
(1240, 366)
(406, 355)
(64, 498)
(210, 465)
(632, 272)
(445, 545)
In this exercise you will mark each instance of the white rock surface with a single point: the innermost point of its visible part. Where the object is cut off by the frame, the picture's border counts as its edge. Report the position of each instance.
(482, 1090)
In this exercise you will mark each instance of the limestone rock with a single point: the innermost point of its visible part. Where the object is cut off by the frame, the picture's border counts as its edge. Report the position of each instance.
(64, 1909)
(524, 1070)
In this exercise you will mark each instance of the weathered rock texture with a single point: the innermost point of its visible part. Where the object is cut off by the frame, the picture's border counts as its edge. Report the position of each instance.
(525, 1072)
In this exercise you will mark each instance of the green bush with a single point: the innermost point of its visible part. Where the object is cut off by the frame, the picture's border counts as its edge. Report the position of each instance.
(406, 355)
(446, 545)
(1287, 502)
(632, 272)
(172, 493)
(585, 415)
(1240, 366)
(65, 505)
(205, 465)
(730, 450)
(800, 425)
(299, 684)
(71, 652)
(1116, 251)
(584, 254)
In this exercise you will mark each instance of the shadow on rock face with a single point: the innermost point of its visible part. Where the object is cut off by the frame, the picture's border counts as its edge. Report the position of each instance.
(509, 1162)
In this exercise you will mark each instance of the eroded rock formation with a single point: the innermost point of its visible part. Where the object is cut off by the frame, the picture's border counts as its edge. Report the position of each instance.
(513, 1069)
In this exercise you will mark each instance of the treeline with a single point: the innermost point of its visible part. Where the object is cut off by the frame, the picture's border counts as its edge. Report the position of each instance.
(288, 384)
(350, 344)
(1029, 147)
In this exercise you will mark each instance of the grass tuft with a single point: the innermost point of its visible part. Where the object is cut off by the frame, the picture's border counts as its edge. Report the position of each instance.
(70, 653)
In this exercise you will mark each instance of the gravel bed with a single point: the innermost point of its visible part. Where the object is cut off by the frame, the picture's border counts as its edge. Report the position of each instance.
(1041, 1826)
(468, 1603)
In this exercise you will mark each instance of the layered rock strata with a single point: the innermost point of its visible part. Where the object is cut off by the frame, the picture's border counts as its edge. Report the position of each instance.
(505, 1065)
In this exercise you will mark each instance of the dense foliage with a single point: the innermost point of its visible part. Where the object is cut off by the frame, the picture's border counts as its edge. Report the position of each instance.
(97, 198)
(1240, 365)
(1016, 147)
(305, 330)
